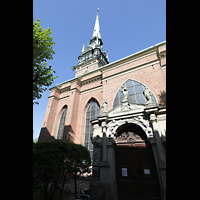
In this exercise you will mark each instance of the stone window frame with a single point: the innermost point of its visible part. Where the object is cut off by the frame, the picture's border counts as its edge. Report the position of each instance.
(135, 93)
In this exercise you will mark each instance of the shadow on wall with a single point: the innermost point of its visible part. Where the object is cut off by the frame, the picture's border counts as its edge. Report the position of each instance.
(68, 134)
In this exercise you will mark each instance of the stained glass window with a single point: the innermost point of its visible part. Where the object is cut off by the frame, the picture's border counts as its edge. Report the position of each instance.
(92, 112)
(135, 93)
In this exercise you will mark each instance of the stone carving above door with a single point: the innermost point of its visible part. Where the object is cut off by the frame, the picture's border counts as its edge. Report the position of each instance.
(113, 125)
(128, 137)
(126, 108)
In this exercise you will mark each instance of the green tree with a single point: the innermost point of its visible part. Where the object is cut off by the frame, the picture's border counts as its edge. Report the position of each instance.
(48, 166)
(79, 161)
(53, 160)
(42, 51)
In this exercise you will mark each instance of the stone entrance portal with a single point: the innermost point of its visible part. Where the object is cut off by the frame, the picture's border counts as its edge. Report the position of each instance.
(128, 155)
(136, 172)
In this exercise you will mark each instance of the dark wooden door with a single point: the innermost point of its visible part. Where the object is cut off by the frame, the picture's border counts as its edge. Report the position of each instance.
(136, 173)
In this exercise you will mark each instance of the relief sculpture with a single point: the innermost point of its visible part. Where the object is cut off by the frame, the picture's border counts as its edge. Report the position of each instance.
(139, 120)
(97, 142)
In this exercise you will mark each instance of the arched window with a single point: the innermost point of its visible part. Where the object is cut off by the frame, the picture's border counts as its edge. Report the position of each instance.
(62, 124)
(92, 112)
(135, 93)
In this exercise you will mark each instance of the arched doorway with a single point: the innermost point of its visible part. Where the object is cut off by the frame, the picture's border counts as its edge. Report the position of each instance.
(136, 172)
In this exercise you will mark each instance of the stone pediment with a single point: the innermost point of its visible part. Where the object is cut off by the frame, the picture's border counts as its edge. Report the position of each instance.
(126, 108)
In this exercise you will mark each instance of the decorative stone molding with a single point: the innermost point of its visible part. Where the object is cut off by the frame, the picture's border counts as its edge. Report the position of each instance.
(55, 88)
(126, 108)
(138, 120)
(104, 107)
(91, 80)
(65, 89)
(147, 93)
(54, 97)
(152, 117)
(128, 137)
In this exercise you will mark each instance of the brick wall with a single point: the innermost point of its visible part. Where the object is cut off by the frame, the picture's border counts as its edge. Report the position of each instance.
(145, 67)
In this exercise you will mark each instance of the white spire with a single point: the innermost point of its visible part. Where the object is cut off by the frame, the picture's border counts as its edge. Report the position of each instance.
(97, 27)
(83, 47)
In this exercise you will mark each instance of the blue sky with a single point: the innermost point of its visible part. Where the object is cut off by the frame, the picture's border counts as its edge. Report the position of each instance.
(126, 26)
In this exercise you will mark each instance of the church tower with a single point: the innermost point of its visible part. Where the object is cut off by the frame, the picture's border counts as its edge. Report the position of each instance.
(93, 56)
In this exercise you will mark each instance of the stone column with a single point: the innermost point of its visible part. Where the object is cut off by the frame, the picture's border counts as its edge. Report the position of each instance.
(104, 140)
(159, 155)
(103, 184)
(157, 137)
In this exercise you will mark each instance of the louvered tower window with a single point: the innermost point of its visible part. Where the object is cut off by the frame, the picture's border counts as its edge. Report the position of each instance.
(92, 112)
(62, 124)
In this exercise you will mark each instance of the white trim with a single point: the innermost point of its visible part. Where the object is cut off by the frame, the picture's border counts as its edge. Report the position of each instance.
(73, 90)
(99, 87)
(51, 97)
(63, 98)
(54, 97)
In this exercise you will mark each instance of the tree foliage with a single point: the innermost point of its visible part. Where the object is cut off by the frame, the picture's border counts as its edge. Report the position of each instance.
(42, 51)
(78, 161)
(53, 160)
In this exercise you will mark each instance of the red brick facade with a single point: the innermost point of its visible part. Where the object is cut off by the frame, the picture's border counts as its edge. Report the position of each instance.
(102, 82)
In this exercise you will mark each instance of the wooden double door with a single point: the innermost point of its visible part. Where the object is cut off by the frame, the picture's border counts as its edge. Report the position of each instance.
(136, 172)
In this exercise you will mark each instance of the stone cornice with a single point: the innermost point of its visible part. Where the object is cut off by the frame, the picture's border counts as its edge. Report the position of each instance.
(65, 89)
(91, 80)
(54, 97)
(55, 88)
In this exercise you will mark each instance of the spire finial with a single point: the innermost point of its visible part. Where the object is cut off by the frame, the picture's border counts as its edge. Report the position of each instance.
(96, 32)
(83, 46)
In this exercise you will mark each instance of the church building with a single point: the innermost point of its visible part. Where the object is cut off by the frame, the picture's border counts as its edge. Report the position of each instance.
(118, 111)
